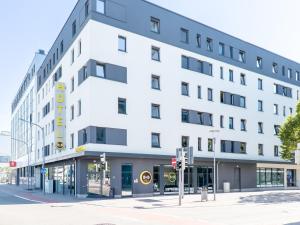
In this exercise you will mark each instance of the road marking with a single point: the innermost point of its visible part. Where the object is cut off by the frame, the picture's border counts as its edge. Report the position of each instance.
(27, 199)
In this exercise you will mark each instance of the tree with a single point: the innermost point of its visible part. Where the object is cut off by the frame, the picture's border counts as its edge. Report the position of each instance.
(289, 135)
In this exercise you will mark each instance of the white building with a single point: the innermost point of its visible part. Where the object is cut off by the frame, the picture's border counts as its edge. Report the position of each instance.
(23, 143)
(136, 81)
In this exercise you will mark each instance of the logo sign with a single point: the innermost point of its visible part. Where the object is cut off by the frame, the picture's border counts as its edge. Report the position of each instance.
(146, 177)
(80, 149)
(60, 117)
(174, 163)
(172, 177)
(12, 164)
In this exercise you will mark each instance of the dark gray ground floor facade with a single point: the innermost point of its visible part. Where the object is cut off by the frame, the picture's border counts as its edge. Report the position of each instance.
(84, 176)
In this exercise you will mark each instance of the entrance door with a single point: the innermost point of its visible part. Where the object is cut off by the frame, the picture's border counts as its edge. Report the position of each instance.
(126, 180)
(94, 182)
(237, 178)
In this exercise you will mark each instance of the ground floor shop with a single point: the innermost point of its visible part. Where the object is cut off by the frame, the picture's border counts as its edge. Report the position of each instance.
(138, 176)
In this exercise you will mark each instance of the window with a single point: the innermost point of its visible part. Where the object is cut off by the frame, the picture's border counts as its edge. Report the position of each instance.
(85, 75)
(185, 116)
(72, 112)
(72, 56)
(74, 28)
(79, 108)
(209, 94)
(276, 151)
(200, 66)
(276, 129)
(209, 44)
(184, 35)
(243, 79)
(155, 82)
(221, 49)
(231, 123)
(231, 52)
(260, 128)
(210, 145)
(155, 53)
(121, 105)
(242, 102)
(86, 8)
(155, 25)
(155, 111)
(297, 76)
(52, 126)
(243, 125)
(221, 73)
(242, 56)
(283, 70)
(290, 73)
(275, 109)
(155, 140)
(231, 75)
(222, 121)
(184, 62)
(100, 7)
(61, 47)
(199, 144)
(260, 149)
(100, 70)
(291, 111)
(100, 135)
(122, 44)
(275, 68)
(199, 92)
(198, 40)
(184, 89)
(260, 106)
(72, 141)
(284, 111)
(210, 69)
(72, 84)
(259, 62)
(185, 141)
(243, 147)
(79, 47)
(260, 84)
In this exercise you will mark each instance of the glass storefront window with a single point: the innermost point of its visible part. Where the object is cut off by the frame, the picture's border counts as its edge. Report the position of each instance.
(270, 177)
(156, 180)
(170, 179)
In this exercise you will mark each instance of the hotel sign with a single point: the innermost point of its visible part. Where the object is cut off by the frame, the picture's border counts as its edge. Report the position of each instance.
(60, 116)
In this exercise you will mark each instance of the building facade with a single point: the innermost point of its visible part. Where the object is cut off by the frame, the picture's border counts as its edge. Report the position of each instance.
(136, 81)
(23, 142)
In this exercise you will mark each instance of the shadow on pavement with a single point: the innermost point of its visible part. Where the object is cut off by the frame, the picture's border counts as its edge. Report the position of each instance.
(296, 223)
(272, 198)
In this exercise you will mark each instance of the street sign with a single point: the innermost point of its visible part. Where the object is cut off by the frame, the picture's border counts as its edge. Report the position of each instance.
(12, 164)
(43, 170)
(174, 163)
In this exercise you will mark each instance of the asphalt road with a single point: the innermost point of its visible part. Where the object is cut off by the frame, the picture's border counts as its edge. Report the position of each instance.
(9, 197)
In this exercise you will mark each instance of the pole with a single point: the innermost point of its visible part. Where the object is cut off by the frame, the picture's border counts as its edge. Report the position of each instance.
(43, 166)
(179, 186)
(182, 179)
(214, 169)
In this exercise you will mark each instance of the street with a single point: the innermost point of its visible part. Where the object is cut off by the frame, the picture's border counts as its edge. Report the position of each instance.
(19, 206)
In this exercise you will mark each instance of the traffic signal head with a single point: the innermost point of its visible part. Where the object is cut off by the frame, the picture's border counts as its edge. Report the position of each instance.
(178, 165)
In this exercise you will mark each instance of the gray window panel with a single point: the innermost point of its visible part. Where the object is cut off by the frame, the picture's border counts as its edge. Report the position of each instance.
(155, 140)
(101, 135)
(111, 72)
(184, 62)
(228, 146)
(184, 35)
(196, 65)
(195, 117)
(122, 45)
(155, 25)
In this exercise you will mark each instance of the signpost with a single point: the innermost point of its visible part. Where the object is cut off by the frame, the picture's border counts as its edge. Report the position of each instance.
(184, 156)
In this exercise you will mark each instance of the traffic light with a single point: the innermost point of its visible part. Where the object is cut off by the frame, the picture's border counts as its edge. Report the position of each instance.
(178, 165)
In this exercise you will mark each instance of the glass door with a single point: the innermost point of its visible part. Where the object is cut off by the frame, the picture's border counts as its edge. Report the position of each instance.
(126, 180)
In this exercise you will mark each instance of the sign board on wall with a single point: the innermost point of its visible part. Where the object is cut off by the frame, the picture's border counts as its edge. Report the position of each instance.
(146, 177)
(60, 116)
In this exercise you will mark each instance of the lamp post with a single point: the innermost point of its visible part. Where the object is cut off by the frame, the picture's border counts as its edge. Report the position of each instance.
(214, 149)
(43, 148)
(8, 134)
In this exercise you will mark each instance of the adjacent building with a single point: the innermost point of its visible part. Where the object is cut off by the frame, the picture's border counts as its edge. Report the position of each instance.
(136, 81)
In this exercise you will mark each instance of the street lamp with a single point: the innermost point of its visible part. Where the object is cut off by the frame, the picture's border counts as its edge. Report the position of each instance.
(43, 147)
(8, 134)
(214, 149)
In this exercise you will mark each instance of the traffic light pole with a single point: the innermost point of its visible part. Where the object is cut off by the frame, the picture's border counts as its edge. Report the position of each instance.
(179, 186)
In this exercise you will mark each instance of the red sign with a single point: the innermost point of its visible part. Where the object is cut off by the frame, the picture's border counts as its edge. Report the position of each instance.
(174, 163)
(12, 164)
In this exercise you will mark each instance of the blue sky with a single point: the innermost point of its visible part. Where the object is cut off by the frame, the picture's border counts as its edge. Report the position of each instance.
(27, 26)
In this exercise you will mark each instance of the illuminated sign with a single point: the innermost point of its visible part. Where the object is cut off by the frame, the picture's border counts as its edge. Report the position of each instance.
(172, 177)
(146, 177)
(12, 164)
(60, 117)
(80, 149)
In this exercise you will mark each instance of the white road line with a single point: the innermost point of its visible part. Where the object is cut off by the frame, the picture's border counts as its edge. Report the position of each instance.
(27, 199)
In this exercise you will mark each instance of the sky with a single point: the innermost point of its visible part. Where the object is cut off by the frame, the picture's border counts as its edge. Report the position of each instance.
(29, 25)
